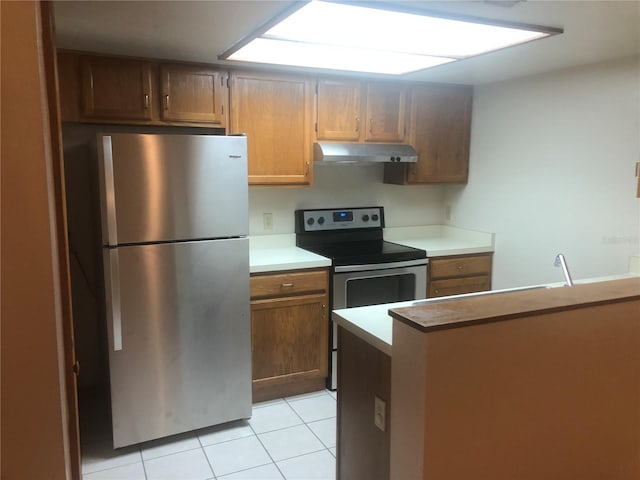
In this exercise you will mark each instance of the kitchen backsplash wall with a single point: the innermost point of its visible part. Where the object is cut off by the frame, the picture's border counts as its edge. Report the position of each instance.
(552, 171)
(346, 186)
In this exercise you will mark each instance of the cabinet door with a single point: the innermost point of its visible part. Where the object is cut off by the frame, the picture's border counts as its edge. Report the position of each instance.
(275, 112)
(339, 109)
(458, 286)
(115, 88)
(193, 94)
(288, 343)
(69, 86)
(441, 130)
(385, 112)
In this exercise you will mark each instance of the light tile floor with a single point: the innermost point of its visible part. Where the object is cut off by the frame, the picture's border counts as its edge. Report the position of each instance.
(292, 438)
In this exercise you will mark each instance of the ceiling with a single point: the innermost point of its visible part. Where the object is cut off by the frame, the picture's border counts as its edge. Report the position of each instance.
(198, 31)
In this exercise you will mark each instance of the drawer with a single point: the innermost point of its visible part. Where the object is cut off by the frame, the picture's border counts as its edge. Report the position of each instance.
(457, 286)
(290, 283)
(459, 266)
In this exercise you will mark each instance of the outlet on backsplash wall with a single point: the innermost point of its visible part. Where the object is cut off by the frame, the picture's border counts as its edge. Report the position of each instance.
(345, 186)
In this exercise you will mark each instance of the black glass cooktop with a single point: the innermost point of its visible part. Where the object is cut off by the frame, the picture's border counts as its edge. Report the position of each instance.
(366, 252)
(350, 236)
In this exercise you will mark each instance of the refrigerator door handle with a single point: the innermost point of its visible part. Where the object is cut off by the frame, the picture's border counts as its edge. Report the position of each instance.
(108, 192)
(112, 288)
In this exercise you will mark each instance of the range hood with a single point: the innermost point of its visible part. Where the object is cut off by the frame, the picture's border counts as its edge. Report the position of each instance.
(363, 152)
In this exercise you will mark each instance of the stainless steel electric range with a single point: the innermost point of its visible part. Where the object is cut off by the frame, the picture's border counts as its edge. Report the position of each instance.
(365, 269)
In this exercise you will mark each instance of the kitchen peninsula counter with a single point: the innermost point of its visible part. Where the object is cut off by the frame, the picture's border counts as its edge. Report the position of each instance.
(440, 314)
(486, 385)
(373, 323)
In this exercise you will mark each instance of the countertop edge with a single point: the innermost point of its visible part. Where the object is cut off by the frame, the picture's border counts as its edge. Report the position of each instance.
(365, 335)
(483, 309)
(280, 267)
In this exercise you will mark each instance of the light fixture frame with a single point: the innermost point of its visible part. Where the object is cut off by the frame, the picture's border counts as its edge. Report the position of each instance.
(404, 8)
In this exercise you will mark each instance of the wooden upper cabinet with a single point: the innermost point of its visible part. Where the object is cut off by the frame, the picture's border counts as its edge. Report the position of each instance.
(193, 94)
(339, 109)
(386, 112)
(353, 111)
(275, 112)
(440, 132)
(116, 88)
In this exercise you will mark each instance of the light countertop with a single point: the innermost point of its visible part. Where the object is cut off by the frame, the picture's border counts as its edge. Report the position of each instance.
(270, 253)
(374, 325)
(441, 240)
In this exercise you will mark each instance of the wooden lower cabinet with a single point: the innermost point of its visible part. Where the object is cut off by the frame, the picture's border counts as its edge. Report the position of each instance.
(289, 335)
(364, 372)
(458, 274)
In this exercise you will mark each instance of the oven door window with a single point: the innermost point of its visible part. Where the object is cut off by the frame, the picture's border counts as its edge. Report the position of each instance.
(363, 291)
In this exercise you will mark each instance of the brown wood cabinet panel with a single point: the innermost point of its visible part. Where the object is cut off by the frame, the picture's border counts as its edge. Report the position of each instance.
(440, 132)
(116, 88)
(193, 94)
(385, 112)
(459, 266)
(275, 112)
(288, 343)
(278, 285)
(458, 274)
(69, 86)
(364, 372)
(458, 286)
(338, 109)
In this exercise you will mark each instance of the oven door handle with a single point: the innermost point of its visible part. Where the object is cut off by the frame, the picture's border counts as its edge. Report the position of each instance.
(380, 266)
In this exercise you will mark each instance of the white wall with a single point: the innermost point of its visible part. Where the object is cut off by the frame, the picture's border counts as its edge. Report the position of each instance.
(552, 170)
(346, 186)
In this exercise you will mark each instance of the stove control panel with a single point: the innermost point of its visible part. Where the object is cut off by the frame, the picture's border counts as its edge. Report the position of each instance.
(339, 218)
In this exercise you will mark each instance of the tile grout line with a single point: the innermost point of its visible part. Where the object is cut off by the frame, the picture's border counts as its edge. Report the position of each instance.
(201, 446)
(144, 468)
(268, 453)
(213, 472)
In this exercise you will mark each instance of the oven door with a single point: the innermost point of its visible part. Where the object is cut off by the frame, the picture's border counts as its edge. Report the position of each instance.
(361, 285)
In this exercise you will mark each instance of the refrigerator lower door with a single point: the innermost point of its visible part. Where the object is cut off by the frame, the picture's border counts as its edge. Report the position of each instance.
(179, 337)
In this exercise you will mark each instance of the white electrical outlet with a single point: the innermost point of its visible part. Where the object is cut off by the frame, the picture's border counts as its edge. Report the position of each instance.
(380, 413)
(267, 221)
(447, 212)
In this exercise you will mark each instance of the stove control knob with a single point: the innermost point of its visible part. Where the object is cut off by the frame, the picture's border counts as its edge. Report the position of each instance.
(310, 221)
(374, 217)
(321, 220)
(365, 218)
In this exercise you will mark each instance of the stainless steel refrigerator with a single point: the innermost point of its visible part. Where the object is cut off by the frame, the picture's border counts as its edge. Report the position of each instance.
(176, 264)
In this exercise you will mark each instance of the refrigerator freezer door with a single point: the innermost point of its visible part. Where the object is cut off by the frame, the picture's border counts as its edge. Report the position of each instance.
(185, 357)
(172, 187)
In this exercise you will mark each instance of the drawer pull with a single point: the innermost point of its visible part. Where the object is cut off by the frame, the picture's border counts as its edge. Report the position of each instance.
(286, 285)
(460, 268)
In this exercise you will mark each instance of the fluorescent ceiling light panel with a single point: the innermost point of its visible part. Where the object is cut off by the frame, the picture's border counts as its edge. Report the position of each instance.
(364, 39)
(264, 50)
